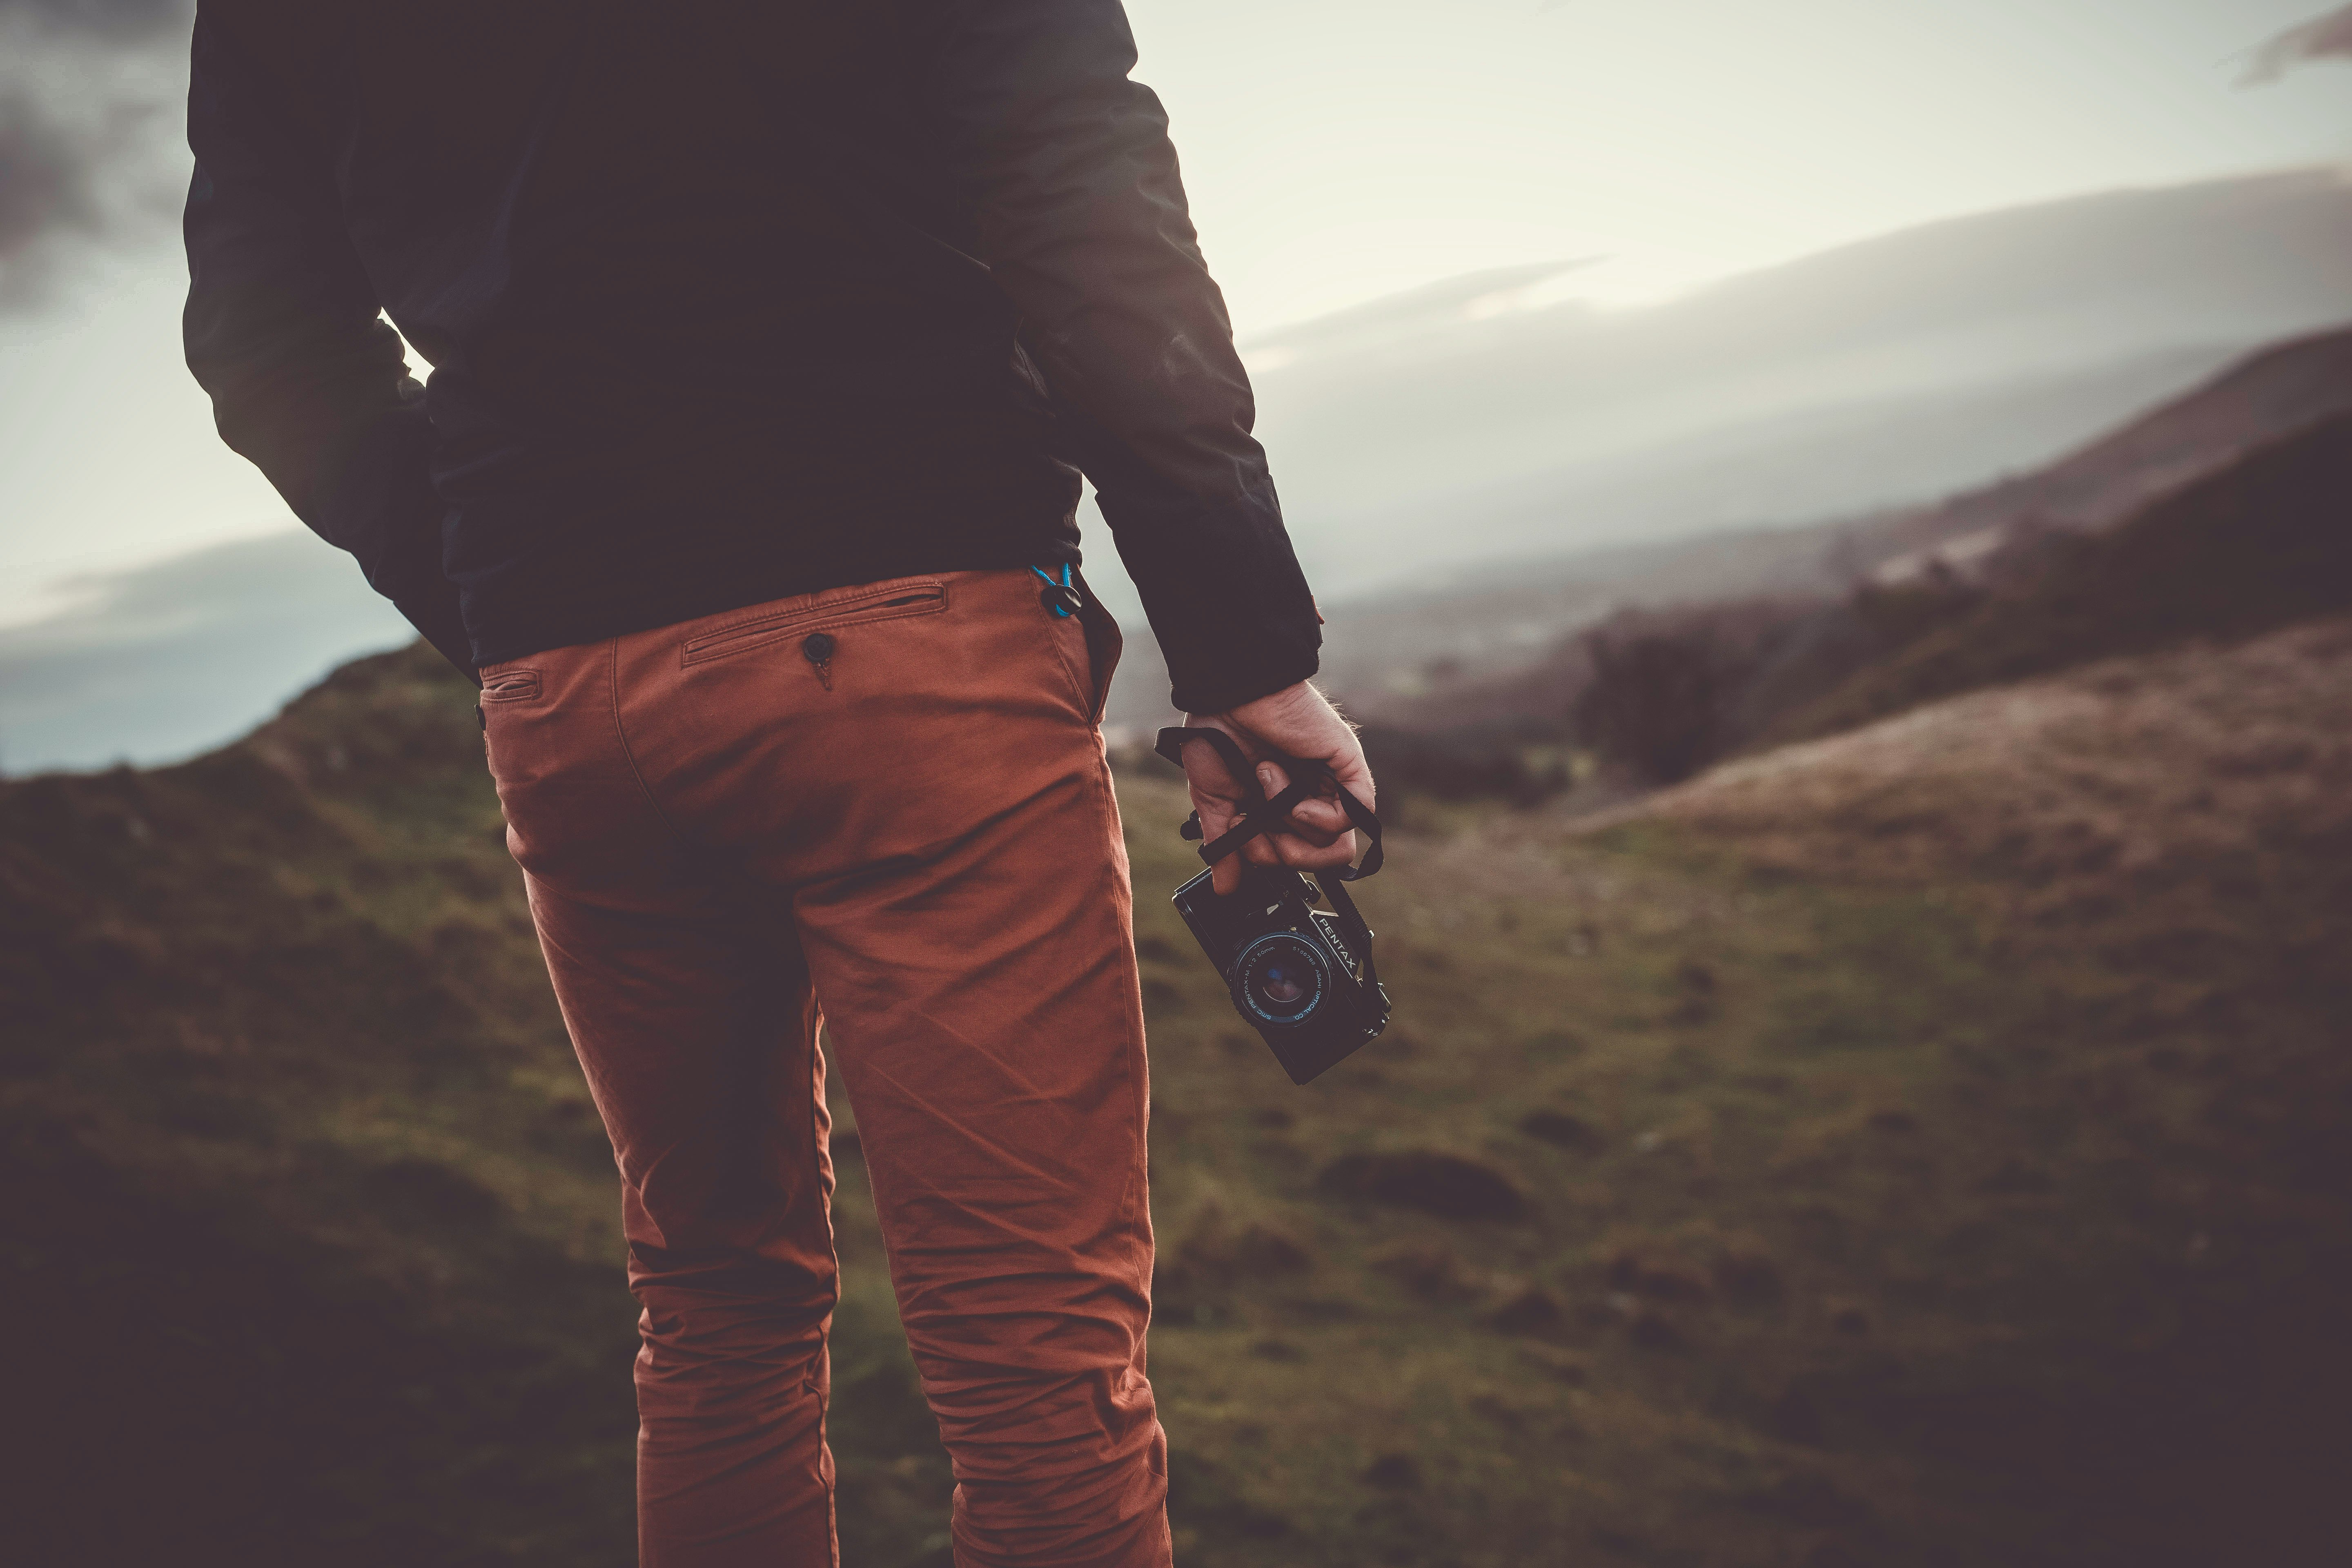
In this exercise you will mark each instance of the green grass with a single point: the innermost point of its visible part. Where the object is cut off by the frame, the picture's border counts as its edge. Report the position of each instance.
(1855, 1225)
(1750, 1077)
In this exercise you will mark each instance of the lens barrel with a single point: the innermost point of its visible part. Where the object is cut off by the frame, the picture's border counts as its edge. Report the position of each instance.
(1282, 978)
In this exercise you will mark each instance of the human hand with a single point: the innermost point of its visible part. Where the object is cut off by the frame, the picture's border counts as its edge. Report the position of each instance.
(1296, 722)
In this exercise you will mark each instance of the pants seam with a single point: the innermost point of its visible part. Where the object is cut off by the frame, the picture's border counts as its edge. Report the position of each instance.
(1137, 1197)
(817, 1148)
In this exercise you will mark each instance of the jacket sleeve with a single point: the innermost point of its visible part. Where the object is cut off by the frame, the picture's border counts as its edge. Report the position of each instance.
(1080, 217)
(283, 330)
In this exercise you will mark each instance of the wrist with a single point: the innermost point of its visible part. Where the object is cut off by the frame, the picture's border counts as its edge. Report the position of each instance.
(1295, 699)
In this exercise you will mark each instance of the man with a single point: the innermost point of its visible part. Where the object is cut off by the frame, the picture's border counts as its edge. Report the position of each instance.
(769, 341)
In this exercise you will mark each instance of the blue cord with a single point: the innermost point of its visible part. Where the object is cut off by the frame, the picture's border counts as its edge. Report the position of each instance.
(1061, 607)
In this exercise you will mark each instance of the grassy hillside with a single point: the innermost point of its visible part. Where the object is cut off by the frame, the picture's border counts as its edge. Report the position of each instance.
(326, 1262)
(1825, 1181)
(2265, 541)
(2262, 542)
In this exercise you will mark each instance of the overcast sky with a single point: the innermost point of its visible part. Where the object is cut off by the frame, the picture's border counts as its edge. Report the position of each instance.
(1338, 150)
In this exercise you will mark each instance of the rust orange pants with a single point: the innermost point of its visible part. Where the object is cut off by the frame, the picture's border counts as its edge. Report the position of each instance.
(885, 805)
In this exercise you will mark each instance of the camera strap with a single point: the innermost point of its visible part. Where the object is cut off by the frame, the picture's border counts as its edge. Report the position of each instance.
(1262, 815)
(1352, 929)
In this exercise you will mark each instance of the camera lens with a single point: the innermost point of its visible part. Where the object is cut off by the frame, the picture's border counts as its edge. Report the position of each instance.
(1280, 984)
(1281, 978)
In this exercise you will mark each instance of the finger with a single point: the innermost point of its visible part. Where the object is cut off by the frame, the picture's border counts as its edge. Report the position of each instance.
(1282, 849)
(1260, 849)
(1212, 792)
(1216, 815)
(1352, 776)
(1318, 818)
(1212, 795)
(1225, 876)
(1205, 765)
(1302, 856)
(1318, 836)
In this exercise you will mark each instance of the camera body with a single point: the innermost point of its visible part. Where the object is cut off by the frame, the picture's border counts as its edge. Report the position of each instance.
(1302, 977)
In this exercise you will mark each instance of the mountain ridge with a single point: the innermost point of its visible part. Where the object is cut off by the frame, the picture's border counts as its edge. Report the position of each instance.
(1499, 634)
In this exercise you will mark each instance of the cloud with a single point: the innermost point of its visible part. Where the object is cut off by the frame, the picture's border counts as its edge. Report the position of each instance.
(166, 659)
(88, 132)
(2321, 38)
(115, 19)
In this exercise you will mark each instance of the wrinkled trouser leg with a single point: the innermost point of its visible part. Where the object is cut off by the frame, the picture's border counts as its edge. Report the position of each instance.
(923, 836)
(693, 1020)
(996, 1062)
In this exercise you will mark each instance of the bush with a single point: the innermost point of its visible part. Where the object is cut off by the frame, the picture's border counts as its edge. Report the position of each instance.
(1653, 704)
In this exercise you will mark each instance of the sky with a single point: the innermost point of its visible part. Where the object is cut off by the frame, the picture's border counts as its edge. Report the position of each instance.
(1336, 151)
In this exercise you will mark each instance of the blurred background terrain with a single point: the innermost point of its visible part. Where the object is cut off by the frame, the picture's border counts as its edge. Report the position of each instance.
(1862, 677)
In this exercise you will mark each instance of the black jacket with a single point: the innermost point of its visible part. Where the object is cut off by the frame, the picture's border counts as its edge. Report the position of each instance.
(726, 300)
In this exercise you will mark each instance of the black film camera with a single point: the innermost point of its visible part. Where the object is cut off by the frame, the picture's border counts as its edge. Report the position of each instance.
(1302, 977)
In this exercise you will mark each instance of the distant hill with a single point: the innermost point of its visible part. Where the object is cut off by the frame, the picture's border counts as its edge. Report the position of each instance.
(2262, 542)
(1787, 601)
(1500, 615)
(2148, 776)
(2284, 389)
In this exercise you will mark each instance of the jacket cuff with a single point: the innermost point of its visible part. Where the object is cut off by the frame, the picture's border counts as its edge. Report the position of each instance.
(1240, 674)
